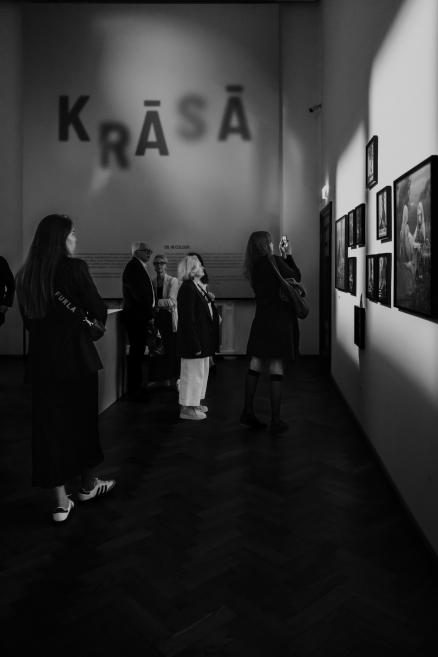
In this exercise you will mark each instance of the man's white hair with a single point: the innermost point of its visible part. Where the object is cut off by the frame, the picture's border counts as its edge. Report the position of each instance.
(138, 246)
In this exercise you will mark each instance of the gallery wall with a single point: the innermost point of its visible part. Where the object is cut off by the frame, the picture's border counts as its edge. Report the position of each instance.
(156, 122)
(300, 146)
(379, 78)
(239, 186)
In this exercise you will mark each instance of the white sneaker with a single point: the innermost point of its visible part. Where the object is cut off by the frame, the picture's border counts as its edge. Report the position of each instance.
(60, 514)
(191, 413)
(202, 408)
(101, 487)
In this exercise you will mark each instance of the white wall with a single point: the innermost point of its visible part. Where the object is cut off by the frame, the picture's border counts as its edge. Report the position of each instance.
(299, 216)
(379, 78)
(203, 193)
(10, 160)
(301, 85)
(300, 159)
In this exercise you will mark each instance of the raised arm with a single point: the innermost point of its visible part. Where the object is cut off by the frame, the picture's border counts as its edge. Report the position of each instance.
(288, 268)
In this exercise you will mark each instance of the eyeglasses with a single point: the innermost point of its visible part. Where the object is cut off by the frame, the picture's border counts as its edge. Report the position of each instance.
(160, 262)
(145, 250)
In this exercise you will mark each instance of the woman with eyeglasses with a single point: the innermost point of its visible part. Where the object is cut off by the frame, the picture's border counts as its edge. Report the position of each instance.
(166, 291)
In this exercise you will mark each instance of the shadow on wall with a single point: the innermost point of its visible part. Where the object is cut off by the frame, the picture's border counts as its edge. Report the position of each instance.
(348, 65)
(410, 412)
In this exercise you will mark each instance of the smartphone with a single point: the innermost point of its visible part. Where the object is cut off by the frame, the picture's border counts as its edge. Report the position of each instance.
(284, 241)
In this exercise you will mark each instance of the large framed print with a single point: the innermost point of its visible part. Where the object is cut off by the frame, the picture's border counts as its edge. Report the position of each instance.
(341, 254)
(384, 278)
(415, 251)
(383, 214)
(360, 224)
(371, 162)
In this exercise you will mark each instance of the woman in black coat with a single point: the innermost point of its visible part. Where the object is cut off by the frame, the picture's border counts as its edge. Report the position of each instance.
(196, 338)
(274, 331)
(55, 292)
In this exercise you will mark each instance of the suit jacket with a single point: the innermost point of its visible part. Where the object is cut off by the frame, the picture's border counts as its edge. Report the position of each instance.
(138, 293)
(60, 344)
(7, 284)
(197, 327)
(169, 299)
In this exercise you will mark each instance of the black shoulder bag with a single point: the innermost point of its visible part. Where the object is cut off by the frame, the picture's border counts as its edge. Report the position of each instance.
(292, 293)
(95, 326)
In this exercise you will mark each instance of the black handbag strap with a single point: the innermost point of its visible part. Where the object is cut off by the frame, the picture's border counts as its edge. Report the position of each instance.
(69, 306)
(96, 327)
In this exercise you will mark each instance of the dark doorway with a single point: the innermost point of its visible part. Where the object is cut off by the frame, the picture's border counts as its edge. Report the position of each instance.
(325, 285)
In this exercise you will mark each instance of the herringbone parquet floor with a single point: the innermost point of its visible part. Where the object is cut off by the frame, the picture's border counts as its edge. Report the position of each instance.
(217, 541)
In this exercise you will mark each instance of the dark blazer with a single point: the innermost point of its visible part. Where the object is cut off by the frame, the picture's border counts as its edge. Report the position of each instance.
(60, 345)
(138, 294)
(7, 284)
(197, 328)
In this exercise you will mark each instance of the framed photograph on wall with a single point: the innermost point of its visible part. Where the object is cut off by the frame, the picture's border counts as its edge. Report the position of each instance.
(371, 162)
(360, 224)
(371, 278)
(341, 254)
(352, 275)
(383, 214)
(384, 278)
(415, 242)
(352, 228)
(359, 327)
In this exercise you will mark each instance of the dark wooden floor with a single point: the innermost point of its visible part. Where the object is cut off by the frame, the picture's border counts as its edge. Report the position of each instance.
(217, 541)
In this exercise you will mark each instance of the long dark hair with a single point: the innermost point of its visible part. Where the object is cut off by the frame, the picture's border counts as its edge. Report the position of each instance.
(35, 278)
(259, 244)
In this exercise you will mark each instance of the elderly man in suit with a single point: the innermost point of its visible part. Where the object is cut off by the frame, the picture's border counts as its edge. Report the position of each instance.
(7, 288)
(138, 313)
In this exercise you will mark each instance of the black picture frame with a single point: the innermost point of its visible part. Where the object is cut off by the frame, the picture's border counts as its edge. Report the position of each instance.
(371, 278)
(341, 253)
(352, 228)
(415, 242)
(383, 274)
(359, 327)
(352, 275)
(371, 162)
(360, 224)
(384, 214)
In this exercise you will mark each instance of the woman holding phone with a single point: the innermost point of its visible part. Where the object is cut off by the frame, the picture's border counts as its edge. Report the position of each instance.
(274, 335)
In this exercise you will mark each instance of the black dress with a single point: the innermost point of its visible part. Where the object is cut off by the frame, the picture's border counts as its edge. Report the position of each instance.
(63, 373)
(274, 331)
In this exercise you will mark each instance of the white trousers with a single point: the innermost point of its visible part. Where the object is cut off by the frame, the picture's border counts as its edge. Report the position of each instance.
(193, 380)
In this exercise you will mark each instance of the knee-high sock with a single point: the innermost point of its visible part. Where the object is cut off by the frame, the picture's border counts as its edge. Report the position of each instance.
(251, 381)
(276, 381)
